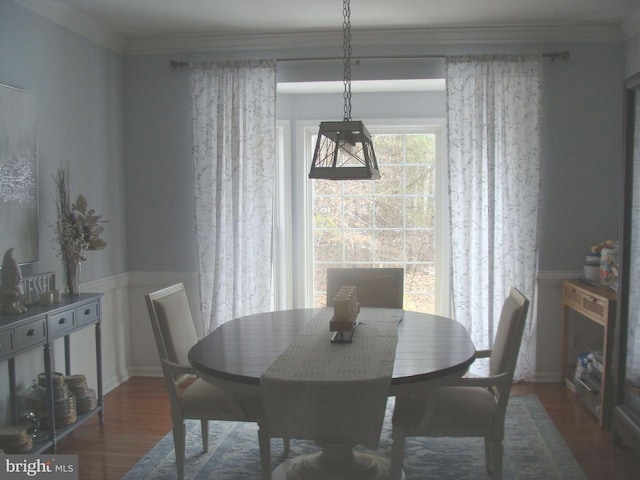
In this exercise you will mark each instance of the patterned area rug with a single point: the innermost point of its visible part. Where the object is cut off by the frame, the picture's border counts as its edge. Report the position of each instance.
(534, 450)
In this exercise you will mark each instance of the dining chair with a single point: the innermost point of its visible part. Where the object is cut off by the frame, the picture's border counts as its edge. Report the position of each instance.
(377, 287)
(467, 406)
(175, 334)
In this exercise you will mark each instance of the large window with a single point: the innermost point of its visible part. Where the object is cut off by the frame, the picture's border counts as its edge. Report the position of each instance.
(392, 222)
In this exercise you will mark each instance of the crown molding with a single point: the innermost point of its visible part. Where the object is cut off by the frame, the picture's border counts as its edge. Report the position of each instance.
(81, 24)
(77, 22)
(377, 37)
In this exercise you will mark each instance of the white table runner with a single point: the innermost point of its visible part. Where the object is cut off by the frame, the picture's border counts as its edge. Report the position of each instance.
(321, 390)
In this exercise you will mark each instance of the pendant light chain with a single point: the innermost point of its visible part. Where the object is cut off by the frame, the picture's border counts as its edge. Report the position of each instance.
(346, 34)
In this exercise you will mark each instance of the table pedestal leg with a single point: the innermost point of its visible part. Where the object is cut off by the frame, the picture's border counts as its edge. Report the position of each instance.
(335, 462)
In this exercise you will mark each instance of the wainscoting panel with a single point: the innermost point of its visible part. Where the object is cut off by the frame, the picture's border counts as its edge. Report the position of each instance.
(128, 347)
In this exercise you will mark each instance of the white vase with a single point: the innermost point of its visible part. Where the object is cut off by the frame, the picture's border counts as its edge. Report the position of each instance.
(72, 277)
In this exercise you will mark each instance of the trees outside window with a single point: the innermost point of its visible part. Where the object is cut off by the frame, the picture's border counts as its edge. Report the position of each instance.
(391, 222)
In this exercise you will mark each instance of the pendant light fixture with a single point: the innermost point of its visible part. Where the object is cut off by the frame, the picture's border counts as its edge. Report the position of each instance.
(344, 150)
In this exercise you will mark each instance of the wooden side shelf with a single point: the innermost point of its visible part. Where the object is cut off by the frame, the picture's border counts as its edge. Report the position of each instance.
(598, 305)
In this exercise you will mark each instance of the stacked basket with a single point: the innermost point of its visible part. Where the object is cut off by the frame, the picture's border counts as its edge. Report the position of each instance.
(64, 401)
(86, 398)
(15, 440)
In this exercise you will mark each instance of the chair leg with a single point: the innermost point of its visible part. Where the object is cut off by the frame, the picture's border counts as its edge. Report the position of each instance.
(265, 452)
(204, 428)
(488, 458)
(178, 443)
(397, 456)
(496, 459)
(287, 446)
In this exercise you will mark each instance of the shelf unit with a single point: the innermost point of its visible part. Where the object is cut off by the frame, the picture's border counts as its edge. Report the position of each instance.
(39, 327)
(596, 304)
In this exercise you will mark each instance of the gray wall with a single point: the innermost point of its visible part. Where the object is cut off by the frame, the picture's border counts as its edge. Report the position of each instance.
(79, 100)
(581, 147)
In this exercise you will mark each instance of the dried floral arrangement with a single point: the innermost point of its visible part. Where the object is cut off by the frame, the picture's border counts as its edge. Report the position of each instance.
(77, 228)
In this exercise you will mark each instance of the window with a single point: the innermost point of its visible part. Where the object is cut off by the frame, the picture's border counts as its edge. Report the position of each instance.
(396, 221)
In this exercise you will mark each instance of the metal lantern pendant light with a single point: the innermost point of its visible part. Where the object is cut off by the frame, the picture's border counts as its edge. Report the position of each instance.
(344, 150)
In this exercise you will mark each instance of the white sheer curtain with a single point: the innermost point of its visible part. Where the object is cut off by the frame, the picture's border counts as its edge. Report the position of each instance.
(493, 109)
(234, 131)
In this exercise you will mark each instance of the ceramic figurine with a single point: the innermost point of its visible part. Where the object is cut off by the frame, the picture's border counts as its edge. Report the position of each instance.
(11, 285)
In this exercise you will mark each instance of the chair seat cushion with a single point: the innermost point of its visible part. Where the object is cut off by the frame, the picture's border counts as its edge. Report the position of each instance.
(447, 411)
(202, 400)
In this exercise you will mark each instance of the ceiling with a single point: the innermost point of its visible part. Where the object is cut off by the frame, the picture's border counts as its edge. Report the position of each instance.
(140, 19)
(163, 26)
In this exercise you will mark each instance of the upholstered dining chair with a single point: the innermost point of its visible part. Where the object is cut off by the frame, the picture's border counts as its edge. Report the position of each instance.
(377, 287)
(467, 407)
(175, 334)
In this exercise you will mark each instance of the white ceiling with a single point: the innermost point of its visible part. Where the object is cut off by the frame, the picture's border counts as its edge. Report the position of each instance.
(134, 19)
(139, 21)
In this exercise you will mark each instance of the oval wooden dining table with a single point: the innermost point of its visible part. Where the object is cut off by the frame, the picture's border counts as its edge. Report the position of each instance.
(430, 348)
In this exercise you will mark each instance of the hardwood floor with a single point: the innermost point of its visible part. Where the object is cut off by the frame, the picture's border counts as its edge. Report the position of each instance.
(137, 417)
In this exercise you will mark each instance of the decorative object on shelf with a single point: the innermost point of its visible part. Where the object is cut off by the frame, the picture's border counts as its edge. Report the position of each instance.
(77, 230)
(344, 150)
(591, 268)
(608, 251)
(36, 285)
(15, 440)
(64, 400)
(11, 285)
(86, 398)
(31, 407)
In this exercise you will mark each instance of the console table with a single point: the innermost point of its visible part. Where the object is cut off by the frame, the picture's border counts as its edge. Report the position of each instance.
(39, 327)
(597, 304)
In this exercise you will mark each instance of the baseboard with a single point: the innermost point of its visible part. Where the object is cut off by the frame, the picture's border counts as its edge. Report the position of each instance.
(115, 381)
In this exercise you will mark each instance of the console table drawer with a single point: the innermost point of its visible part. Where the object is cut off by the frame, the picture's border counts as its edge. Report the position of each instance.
(87, 313)
(7, 345)
(587, 304)
(61, 322)
(31, 334)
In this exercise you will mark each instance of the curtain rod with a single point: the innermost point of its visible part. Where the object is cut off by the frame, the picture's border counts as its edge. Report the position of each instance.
(553, 56)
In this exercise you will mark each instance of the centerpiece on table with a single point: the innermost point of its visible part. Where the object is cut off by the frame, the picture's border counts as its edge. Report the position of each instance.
(77, 230)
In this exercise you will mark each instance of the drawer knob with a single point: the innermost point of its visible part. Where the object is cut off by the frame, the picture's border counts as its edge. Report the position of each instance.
(62, 321)
(87, 311)
(31, 332)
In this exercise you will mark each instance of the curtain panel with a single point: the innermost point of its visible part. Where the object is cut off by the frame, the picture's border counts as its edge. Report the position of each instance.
(234, 139)
(494, 125)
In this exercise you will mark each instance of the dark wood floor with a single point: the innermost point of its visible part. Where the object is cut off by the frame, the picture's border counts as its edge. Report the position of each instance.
(137, 417)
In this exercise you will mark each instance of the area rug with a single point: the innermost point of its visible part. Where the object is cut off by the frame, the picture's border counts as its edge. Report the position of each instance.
(534, 450)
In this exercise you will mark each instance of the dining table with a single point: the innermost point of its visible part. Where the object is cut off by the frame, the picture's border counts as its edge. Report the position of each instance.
(430, 349)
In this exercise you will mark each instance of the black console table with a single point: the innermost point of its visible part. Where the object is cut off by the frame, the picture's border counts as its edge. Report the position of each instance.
(39, 327)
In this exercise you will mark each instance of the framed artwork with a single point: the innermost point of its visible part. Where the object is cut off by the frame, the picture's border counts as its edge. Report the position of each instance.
(18, 174)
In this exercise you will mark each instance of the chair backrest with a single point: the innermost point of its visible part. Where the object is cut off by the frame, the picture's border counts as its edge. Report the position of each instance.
(506, 345)
(172, 323)
(175, 334)
(377, 287)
